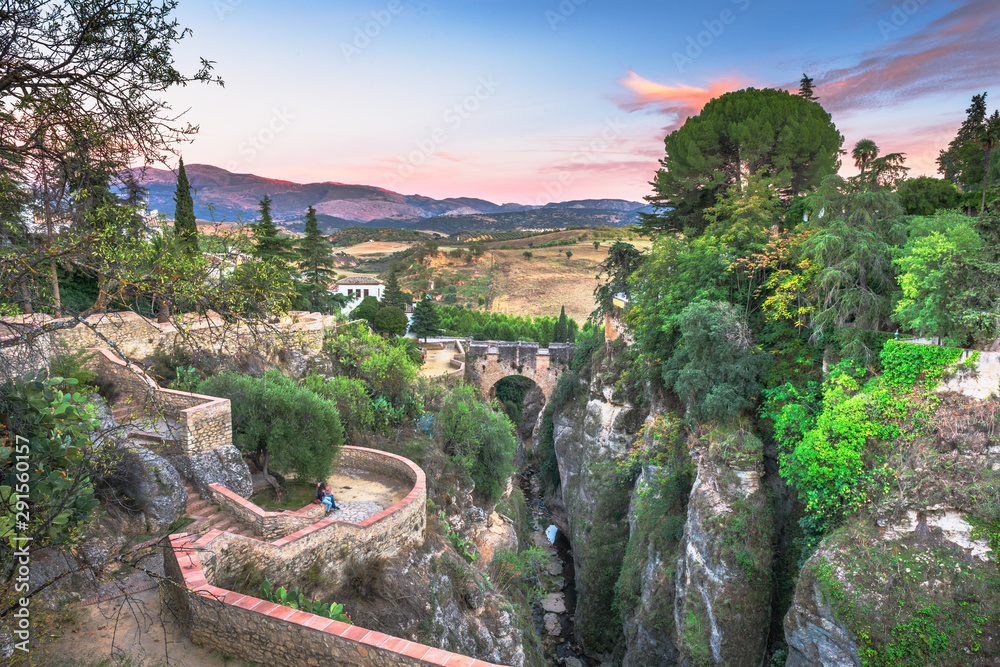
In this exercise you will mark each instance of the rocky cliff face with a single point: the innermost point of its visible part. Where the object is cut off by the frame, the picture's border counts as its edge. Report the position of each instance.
(913, 580)
(683, 551)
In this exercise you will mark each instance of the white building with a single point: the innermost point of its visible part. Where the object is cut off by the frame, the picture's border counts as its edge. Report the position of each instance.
(356, 288)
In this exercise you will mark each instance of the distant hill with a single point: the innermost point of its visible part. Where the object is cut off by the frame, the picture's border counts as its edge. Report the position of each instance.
(222, 195)
(540, 218)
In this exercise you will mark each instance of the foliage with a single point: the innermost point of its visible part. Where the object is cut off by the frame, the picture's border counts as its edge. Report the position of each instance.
(949, 286)
(366, 310)
(280, 423)
(716, 368)
(269, 246)
(390, 319)
(426, 321)
(737, 134)
(925, 195)
(905, 364)
(393, 295)
(185, 224)
(851, 246)
(73, 364)
(296, 600)
(48, 466)
(354, 405)
(481, 437)
(315, 253)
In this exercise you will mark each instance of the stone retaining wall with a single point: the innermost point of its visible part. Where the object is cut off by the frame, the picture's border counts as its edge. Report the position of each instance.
(269, 634)
(275, 525)
(262, 632)
(138, 337)
(199, 423)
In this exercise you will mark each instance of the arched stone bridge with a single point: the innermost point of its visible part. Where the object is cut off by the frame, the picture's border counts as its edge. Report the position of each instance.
(489, 361)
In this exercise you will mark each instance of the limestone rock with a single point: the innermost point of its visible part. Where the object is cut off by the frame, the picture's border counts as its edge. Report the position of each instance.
(223, 465)
(160, 487)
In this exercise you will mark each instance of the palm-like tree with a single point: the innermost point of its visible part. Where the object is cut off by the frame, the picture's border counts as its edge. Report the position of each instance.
(989, 138)
(864, 152)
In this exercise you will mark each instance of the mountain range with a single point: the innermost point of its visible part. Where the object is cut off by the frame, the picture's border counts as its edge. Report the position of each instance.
(225, 196)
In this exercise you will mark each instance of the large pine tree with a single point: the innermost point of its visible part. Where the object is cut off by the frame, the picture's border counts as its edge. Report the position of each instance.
(561, 331)
(269, 245)
(426, 321)
(315, 253)
(185, 224)
(393, 295)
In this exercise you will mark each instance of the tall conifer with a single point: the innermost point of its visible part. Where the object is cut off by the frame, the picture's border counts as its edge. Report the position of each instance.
(185, 224)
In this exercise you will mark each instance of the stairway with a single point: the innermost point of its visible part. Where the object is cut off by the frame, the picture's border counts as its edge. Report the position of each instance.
(208, 516)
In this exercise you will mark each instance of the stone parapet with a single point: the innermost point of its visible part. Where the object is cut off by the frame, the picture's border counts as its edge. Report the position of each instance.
(266, 633)
(272, 634)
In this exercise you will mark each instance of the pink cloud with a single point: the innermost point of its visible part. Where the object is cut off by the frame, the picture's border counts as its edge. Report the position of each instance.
(679, 101)
(954, 52)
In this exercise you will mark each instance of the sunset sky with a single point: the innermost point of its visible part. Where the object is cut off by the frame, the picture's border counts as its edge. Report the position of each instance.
(541, 100)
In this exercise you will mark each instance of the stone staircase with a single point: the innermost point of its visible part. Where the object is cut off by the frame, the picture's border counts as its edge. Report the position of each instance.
(208, 516)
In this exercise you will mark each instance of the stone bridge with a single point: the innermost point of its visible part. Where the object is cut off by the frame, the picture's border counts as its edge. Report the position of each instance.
(489, 361)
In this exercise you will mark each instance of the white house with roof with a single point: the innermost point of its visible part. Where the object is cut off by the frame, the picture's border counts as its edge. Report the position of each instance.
(356, 288)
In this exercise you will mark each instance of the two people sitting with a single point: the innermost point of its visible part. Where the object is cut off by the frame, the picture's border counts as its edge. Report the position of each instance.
(325, 496)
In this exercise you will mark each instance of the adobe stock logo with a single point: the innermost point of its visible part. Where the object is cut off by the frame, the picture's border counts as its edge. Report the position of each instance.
(453, 118)
(714, 28)
(901, 14)
(365, 34)
(256, 143)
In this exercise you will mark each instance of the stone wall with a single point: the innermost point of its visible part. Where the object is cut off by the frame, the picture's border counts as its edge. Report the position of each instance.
(138, 337)
(488, 362)
(198, 423)
(270, 634)
(275, 525)
(262, 632)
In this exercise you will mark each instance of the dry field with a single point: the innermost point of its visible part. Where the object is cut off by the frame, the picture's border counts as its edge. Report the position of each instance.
(371, 249)
(548, 281)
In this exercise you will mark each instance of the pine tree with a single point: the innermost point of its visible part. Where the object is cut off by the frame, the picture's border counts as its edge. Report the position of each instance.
(426, 320)
(806, 88)
(269, 245)
(185, 224)
(316, 256)
(393, 295)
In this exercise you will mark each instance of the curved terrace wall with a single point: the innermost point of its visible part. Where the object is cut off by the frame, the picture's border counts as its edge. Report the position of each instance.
(267, 633)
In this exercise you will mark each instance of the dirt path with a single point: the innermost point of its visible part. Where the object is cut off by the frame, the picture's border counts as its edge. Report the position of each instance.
(351, 484)
(135, 626)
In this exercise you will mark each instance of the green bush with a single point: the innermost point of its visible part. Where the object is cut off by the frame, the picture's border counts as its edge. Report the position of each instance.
(283, 425)
(481, 438)
(351, 396)
(905, 363)
(716, 368)
(73, 364)
(391, 320)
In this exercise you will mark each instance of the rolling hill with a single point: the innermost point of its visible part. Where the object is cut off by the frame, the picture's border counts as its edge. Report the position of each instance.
(222, 195)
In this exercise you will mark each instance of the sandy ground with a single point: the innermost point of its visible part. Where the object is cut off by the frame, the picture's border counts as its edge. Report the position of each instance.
(351, 484)
(134, 625)
(438, 362)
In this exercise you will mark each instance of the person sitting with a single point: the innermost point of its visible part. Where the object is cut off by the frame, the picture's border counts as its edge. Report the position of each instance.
(325, 496)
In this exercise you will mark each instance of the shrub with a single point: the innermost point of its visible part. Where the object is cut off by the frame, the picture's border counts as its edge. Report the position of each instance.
(481, 438)
(280, 423)
(351, 397)
(73, 364)
(391, 320)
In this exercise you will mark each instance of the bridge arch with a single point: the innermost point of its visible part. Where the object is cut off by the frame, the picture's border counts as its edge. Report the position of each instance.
(489, 361)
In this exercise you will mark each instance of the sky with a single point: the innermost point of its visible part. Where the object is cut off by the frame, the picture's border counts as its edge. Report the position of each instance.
(533, 101)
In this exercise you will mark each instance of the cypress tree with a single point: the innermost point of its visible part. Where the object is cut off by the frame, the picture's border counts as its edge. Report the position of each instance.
(561, 330)
(316, 255)
(185, 224)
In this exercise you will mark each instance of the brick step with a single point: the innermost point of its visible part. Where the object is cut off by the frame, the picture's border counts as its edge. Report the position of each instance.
(196, 505)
